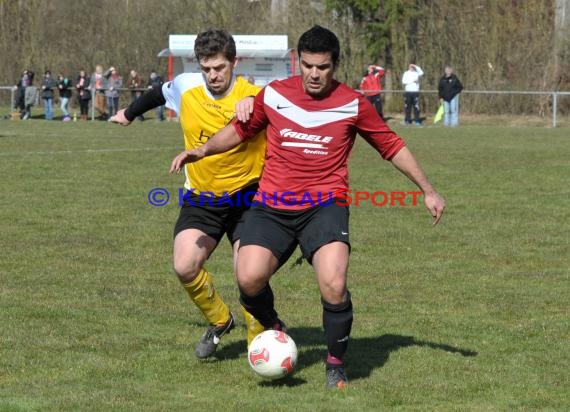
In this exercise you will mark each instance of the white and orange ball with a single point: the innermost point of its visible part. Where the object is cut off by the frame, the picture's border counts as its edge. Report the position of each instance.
(272, 354)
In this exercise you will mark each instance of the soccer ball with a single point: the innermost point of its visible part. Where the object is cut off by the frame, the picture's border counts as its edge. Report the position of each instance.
(272, 354)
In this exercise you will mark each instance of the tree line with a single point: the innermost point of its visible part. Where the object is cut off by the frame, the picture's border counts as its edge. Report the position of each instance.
(492, 44)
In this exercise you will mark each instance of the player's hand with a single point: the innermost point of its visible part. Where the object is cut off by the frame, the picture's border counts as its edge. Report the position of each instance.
(187, 156)
(244, 109)
(120, 118)
(435, 205)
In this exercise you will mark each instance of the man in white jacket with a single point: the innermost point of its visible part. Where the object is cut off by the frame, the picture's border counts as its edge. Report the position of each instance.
(411, 82)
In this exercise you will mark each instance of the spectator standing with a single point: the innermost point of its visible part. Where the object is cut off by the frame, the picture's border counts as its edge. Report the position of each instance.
(114, 83)
(83, 93)
(98, 83)
(30, 95)
(155, 81)
(411, 82)
(371, 85)
(65, 92)
(134, 83)
(20, 88)
(449, 89)
(48, 84)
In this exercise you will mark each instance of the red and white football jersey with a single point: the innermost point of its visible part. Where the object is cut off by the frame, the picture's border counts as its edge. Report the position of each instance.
(309, 140)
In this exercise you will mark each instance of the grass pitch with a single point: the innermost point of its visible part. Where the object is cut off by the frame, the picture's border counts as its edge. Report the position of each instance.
(470, 315)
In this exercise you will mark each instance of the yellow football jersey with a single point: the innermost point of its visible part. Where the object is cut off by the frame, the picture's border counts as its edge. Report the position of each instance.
(201, 115)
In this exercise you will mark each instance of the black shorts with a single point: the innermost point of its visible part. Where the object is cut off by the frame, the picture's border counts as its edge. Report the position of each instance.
(216, 218)
(282, 230)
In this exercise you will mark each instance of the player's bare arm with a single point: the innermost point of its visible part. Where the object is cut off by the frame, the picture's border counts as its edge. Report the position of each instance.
(405, 162)
(224, 140)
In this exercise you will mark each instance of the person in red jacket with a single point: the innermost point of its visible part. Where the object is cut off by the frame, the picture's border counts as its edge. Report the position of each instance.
(371, 85)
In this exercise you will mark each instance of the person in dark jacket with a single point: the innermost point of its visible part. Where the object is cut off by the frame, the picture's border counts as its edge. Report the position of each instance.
(20, 88)
(83, 93)
(48, 84)
(449, 89)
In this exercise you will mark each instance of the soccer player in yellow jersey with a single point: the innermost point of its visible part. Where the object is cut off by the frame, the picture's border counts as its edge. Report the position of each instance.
(205, 103)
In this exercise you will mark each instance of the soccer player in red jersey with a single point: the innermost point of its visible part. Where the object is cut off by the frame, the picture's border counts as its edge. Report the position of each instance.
(312, 121)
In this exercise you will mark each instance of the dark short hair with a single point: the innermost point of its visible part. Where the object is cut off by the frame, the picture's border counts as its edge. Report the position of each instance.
(319, 40)
(211, 42)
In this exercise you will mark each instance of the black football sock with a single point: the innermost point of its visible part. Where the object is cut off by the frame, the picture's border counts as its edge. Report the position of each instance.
(261, 306)
(337, 323)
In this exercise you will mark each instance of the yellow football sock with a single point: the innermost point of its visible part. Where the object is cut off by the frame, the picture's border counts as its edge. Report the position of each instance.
(253, 326)
(202, 292)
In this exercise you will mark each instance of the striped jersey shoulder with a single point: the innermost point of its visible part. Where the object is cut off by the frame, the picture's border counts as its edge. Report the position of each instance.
(290, 88)
(306, 111)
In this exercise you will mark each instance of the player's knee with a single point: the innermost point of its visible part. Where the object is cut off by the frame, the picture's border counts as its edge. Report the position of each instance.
(252, 276)
(185, 270)
(342, 305)
(333, 289)
(251, 279)
(334, 295)
(249, 283)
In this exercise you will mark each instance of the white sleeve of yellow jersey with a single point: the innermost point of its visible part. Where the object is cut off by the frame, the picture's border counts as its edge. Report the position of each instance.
(175, 89)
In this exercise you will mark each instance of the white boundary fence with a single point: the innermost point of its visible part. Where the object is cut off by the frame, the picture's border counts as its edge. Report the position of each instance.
(554, 95)
(125, 97)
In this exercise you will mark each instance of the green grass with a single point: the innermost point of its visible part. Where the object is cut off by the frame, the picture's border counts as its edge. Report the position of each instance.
(470, 315)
